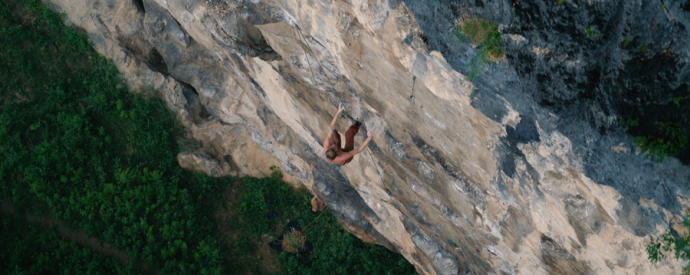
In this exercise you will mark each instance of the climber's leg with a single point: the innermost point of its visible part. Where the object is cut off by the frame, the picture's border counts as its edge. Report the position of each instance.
(350, 137)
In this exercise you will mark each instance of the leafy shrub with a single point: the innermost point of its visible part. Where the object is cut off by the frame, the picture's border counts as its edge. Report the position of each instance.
(659, 148)
(485, 35)
(643, 48)
(677, 100)
(630, 122)
(678, 246)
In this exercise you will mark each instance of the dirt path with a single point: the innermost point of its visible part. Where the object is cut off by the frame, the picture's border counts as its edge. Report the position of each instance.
(78, 236)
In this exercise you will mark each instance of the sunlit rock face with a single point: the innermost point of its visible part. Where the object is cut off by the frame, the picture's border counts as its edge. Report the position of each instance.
(456, 185)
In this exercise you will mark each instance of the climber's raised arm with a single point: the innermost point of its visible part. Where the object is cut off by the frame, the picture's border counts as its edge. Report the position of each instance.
(327, 141)
(363, 146)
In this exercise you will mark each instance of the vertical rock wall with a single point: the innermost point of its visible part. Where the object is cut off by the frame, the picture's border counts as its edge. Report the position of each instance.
(454, 190)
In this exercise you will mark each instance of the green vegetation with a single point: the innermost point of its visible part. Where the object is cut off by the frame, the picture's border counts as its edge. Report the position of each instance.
(677, 100)
(589, 32)
(78, 147)
(678, 245)
(643, 48)
(484, 34)
(336, 250)
(56, 256)
(630, 122)
(559, 2)
(659, 148)
(626, 42)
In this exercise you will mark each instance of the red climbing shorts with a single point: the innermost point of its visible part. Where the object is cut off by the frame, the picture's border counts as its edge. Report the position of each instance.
(349, 140)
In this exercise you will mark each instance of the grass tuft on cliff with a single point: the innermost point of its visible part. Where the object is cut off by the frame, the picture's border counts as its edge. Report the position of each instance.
(484, 35)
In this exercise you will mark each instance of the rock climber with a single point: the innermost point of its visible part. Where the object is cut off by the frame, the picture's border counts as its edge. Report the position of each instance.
(331, 145)
(317, 205)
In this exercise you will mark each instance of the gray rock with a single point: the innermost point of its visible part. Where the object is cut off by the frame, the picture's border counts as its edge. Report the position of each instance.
(521, 168)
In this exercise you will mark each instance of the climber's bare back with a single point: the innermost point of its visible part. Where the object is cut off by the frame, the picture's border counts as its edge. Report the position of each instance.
(331, 144)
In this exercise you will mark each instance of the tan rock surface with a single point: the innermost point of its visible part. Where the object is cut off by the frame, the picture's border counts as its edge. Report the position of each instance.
(257, 82)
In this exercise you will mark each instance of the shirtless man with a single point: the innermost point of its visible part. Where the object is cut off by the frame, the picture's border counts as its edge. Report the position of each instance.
(331, 145)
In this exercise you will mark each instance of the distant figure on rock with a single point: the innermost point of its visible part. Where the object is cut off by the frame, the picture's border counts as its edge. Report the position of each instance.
(331, 145)
(317, 205)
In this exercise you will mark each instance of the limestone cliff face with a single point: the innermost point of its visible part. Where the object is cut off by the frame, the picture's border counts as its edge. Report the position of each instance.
(257, 83)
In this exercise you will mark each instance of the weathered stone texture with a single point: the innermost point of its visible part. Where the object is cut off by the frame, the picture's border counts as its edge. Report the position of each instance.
(256, 84)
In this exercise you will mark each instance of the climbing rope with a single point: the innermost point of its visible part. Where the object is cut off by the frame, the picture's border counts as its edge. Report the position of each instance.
(303, 40)
(293, 241)
(317, 217)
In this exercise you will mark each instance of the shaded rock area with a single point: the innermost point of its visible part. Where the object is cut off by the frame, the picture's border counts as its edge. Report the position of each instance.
(519, 180)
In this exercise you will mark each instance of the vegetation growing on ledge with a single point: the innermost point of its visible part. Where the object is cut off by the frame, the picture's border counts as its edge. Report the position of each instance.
(589, 32)
(643, 48)
(660, 148)
(630, 122)
(677, 100)
(673, 243)
(485, 36)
